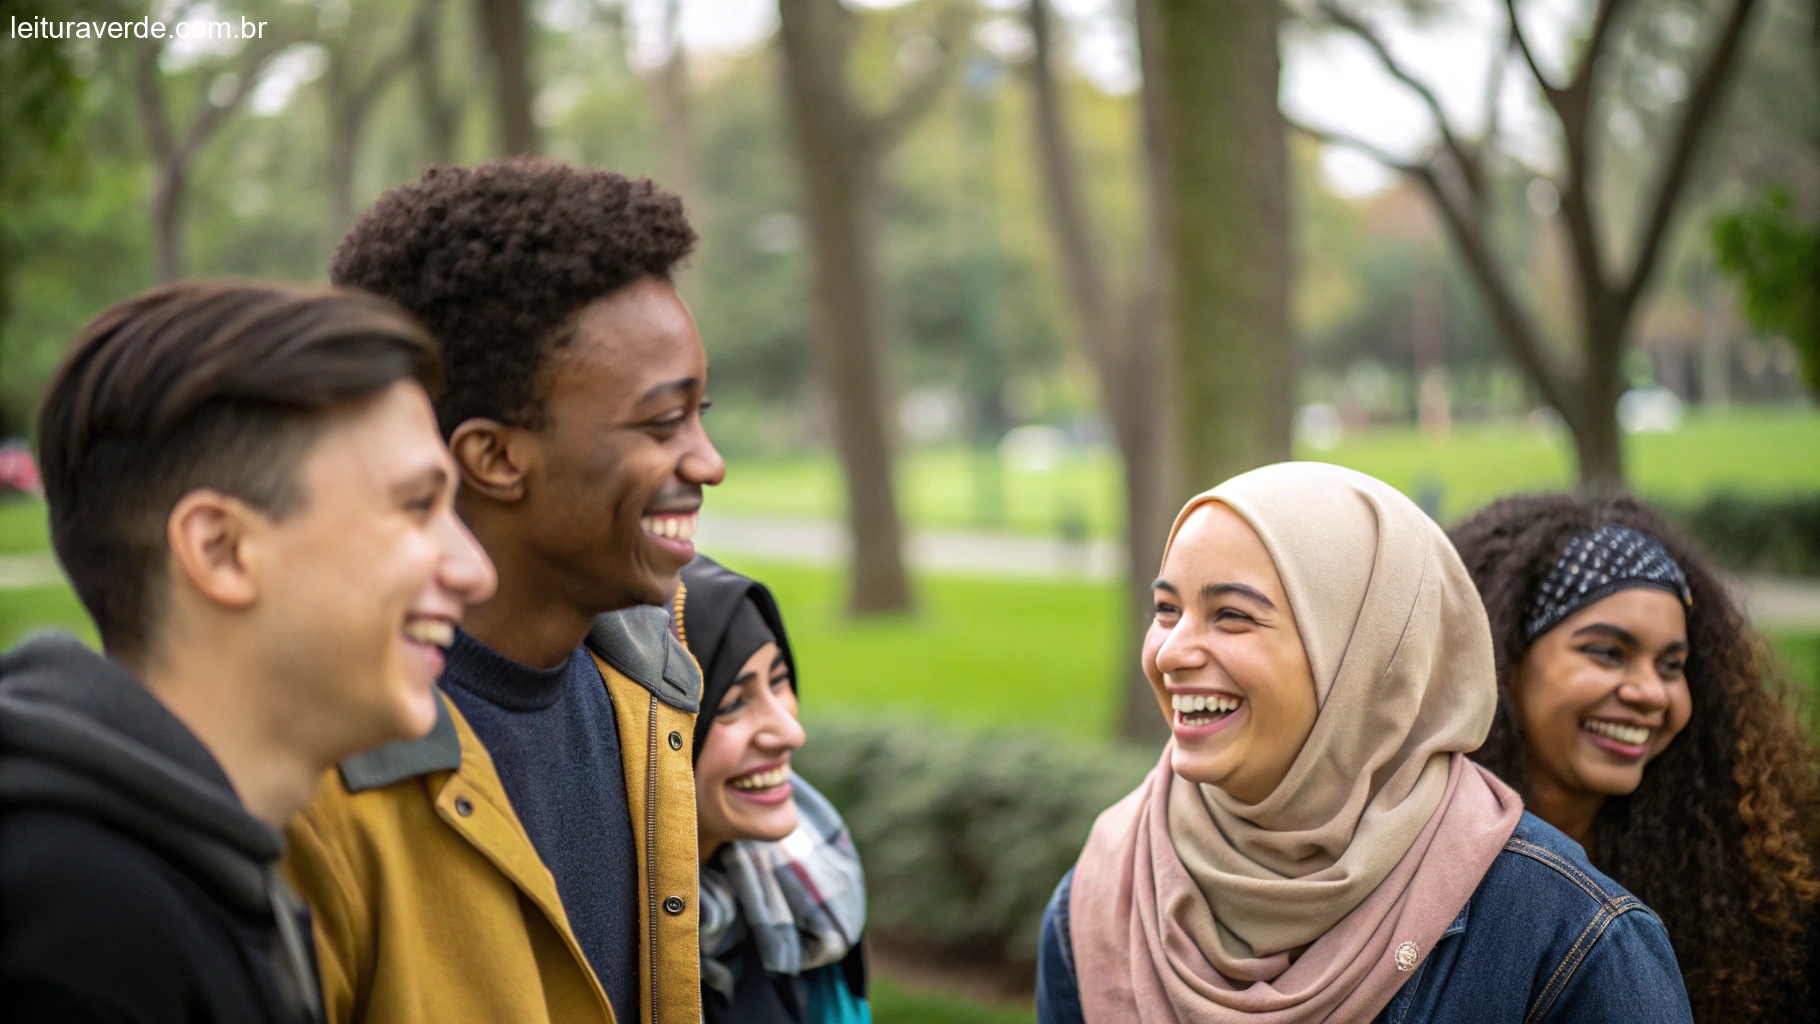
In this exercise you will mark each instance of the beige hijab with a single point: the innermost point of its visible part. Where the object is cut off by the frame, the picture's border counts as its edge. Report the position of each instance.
(1189, 905)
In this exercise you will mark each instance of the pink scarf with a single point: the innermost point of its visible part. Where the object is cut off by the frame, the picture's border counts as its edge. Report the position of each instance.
(1319, 902)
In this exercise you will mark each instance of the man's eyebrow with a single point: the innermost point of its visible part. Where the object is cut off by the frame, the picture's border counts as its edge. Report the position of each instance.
(685, 384)
(434, 476)
(1618, 633)
(1213, 590)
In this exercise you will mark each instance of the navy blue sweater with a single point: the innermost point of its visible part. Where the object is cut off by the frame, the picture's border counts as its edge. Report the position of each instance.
(555, 742)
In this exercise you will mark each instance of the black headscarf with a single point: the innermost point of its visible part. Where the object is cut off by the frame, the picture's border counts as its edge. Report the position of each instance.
(723, 617)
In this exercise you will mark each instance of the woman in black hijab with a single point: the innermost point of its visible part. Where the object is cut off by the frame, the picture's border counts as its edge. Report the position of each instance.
(783, 899)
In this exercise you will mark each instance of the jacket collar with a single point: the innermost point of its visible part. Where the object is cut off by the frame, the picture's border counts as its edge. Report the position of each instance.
(636, 641)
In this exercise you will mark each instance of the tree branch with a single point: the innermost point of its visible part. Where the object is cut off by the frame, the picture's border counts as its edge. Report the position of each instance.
(1549, 89)
(212, 115)
(1701, 105)
(1494, 91)
(1328, 137)
(884, 129)
(1068, 216)
(1364, 33)
(1525, 340)
(153, 112)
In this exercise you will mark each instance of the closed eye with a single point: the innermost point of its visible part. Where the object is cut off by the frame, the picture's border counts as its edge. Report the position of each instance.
(1604, 654)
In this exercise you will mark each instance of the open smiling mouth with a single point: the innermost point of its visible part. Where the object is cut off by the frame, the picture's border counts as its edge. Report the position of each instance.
(764, 786)
(1194, 710)
(676, 527)
(431, 632)
(1631, 740)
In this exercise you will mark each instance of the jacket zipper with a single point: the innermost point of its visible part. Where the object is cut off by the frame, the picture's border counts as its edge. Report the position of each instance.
(651, 851)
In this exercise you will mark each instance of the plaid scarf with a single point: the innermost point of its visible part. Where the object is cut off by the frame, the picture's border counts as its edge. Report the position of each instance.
(803, 897)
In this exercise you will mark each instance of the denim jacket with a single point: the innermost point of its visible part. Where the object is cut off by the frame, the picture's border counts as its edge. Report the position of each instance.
(1544, 938)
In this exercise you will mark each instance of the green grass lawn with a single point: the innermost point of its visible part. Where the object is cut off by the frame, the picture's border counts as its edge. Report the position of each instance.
(23, 529)
(1762, 450)
(22, 611)
(894, 1004)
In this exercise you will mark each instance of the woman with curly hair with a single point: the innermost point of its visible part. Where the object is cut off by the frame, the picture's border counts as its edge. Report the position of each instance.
(1636, 714)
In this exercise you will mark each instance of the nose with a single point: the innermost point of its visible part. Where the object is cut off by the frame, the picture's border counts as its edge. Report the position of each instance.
(1644, 689)
(465, 571)
(1179, 651)
(780, 730)
(702, 464)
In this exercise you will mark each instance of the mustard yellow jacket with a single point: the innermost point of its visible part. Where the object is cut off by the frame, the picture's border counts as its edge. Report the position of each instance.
(432, 907)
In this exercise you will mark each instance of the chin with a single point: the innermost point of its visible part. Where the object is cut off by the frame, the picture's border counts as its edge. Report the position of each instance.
(1194, 767)
(772, 830)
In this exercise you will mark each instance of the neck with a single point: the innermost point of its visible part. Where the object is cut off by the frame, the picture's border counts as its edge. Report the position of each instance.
(262, 757)
(529, 618)
(1573, 811)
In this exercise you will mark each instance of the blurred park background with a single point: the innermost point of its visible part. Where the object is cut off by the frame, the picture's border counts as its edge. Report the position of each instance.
(990, 286)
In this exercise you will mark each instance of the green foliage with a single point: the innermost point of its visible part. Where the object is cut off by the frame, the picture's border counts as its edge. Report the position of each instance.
(964, 835)
(1776, 534)
(1776, 259)
(40, 94)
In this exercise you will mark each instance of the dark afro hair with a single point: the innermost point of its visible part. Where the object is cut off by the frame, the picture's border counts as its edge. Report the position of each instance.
(497, 260)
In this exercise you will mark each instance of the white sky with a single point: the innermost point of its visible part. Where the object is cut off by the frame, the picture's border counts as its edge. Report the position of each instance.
(1329, 80)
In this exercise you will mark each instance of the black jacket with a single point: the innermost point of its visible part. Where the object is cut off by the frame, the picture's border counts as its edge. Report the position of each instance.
(133, 884)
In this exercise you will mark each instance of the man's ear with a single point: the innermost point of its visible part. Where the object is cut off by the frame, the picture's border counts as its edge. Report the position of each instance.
(210, 536)
(493, 458)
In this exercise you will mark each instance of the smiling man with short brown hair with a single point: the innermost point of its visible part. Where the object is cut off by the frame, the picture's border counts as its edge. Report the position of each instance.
(248, 492)
(534, 858)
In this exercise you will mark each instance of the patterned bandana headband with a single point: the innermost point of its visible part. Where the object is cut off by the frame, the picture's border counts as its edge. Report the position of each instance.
(1598, 564)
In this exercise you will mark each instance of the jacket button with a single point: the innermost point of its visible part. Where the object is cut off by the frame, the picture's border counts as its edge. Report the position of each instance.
(676, 741)
(464, 806)
(674, 904)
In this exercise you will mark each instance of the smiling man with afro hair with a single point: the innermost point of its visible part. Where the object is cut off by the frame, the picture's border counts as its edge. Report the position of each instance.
(534, 858)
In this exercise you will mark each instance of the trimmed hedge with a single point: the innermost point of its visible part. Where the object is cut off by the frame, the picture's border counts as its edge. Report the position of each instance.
(964, 835)
(1775, 534)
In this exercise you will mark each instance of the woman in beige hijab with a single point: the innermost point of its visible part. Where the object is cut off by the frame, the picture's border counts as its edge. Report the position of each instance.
(1315, 845)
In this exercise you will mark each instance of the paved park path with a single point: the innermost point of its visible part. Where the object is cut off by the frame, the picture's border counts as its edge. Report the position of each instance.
(1773, 602)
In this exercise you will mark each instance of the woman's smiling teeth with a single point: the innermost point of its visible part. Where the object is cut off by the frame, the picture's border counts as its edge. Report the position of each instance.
(436, 632)
(1203, 708)
(1629, 735)
(762, 780)
(670, 527)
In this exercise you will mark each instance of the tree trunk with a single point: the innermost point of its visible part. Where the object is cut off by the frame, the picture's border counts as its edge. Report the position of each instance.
(840, 204)
(1233, 352)
(441, 122)
(168, 189)
(676, 125)
(345, 124)
(1598, 442)
(505, 29)
(1126, 352)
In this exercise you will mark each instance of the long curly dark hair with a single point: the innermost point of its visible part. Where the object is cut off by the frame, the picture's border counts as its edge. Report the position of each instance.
(1719, 837)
